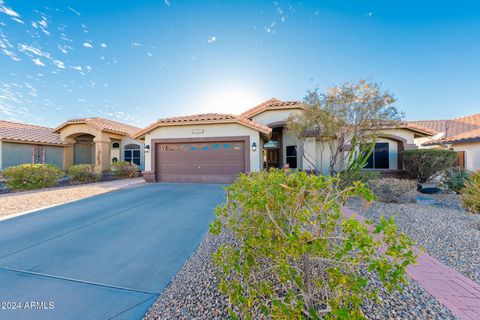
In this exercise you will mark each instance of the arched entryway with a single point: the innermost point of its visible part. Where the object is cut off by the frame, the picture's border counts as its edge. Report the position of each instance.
(84, 149)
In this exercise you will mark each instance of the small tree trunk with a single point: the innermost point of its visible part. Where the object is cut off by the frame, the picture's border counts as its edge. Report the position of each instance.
(307, 280)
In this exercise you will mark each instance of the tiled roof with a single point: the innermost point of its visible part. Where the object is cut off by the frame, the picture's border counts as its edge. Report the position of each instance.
(455, 130)
(272, 104)
(207, 118)
(14, 131)
(452, 127)
(102, 124)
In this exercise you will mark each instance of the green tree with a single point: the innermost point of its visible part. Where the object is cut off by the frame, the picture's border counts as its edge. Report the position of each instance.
(294, 255)
(349, 118)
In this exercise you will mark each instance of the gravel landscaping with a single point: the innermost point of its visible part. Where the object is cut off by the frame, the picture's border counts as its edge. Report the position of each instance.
(193, 294)
(450, 235)
(17, 202)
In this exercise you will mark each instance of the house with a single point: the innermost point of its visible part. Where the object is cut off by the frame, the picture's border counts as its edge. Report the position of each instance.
(78, 141)
(26, 143)
(458, 134)
(216, 147)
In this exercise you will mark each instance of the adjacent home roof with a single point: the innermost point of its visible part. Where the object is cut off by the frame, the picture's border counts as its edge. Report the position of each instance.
(207, 118)
(102, 124)
(20, 132)
(272, 104)
(452, 127)
(455, 130)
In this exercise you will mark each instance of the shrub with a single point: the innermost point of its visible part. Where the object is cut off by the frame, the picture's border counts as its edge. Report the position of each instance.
(32, 176)
(295, 255)
(425, 164)
(84, 173)
(393, 190)
(348, 178)
(124, 169)
(455, 179)
(471, 193)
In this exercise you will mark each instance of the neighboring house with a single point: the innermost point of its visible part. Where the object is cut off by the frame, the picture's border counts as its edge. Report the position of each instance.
(216, 147)
(458, 134)
(96, 141)
(26, 143)
(100, 141)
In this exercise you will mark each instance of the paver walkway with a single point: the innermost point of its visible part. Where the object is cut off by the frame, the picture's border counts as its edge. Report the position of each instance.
(451, 288)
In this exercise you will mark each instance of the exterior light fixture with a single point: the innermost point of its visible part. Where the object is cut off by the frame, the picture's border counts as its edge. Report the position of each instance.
(147, 147)
(254, 146)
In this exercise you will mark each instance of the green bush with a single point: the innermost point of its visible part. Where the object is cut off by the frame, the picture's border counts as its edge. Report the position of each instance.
(471, 193)
(425, 164)
(455, 179)
(84, 173)
(32, 176)
(124, 169)
(393, 190)
(348, 178)
(294, 255)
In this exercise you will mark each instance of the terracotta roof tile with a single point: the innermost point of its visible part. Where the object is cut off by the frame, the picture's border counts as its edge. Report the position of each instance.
(206, 118)
(473, 135)
(14, 131)
(103, 124)
(272, 104)
(452, 127)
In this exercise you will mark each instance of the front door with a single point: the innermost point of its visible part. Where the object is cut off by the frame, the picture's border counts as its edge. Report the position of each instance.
(273, 158)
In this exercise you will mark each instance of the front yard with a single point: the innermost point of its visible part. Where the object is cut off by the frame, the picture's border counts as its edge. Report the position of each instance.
(18, 202)
(437, 224)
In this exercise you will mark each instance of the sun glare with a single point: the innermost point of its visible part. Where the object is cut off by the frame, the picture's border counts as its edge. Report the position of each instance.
(231, 99)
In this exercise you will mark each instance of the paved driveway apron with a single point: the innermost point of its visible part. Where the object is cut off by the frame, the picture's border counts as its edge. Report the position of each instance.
(106, 257)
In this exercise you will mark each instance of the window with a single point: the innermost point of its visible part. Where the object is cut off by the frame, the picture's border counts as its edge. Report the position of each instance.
(379, 159)
(38, 154)
(116, 145)
(132, 153)
(292, 156)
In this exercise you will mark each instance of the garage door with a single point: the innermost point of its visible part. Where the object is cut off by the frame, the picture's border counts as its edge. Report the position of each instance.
(211, 162)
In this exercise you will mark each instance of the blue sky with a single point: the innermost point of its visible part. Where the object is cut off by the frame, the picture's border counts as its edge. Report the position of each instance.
(136, 61)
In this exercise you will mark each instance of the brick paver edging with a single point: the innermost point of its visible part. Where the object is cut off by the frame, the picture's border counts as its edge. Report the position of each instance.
(451, 288)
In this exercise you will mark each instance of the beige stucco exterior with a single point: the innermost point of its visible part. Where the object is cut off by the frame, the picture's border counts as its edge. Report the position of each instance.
(103, 144)
(207, 131)
(472, 154)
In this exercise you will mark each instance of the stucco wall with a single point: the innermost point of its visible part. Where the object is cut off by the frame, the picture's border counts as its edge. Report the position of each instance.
(19, 153)
(54, 155)
(16, 153)
(213, 130)
(472, 154)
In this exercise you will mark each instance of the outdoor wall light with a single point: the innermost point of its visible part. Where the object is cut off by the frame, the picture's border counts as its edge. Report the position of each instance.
(147, 147)
(254, 146)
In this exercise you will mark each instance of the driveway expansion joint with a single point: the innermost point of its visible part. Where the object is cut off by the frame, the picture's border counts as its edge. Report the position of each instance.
(44, 275)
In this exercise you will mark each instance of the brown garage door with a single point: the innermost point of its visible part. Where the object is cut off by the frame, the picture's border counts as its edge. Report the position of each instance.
(211, 162)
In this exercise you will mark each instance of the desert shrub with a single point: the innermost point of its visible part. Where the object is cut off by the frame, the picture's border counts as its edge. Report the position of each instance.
(425, 164)
(32, 176)
(84, 173)
(393, 190)
(295, 255)
(124, 169)
(471, 193)
(348, 178)
(455, 179)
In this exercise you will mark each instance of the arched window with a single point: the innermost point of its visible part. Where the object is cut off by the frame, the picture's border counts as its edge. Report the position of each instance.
(132, 153)
(116, 145)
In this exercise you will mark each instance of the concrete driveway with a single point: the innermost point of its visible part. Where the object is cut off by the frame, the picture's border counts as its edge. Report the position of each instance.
(105, 257)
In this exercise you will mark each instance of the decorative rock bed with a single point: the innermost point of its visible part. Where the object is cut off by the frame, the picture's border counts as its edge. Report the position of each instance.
(450, 235)
(193, 294)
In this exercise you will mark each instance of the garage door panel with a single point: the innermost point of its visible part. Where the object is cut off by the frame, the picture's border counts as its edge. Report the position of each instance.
(218, 162)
